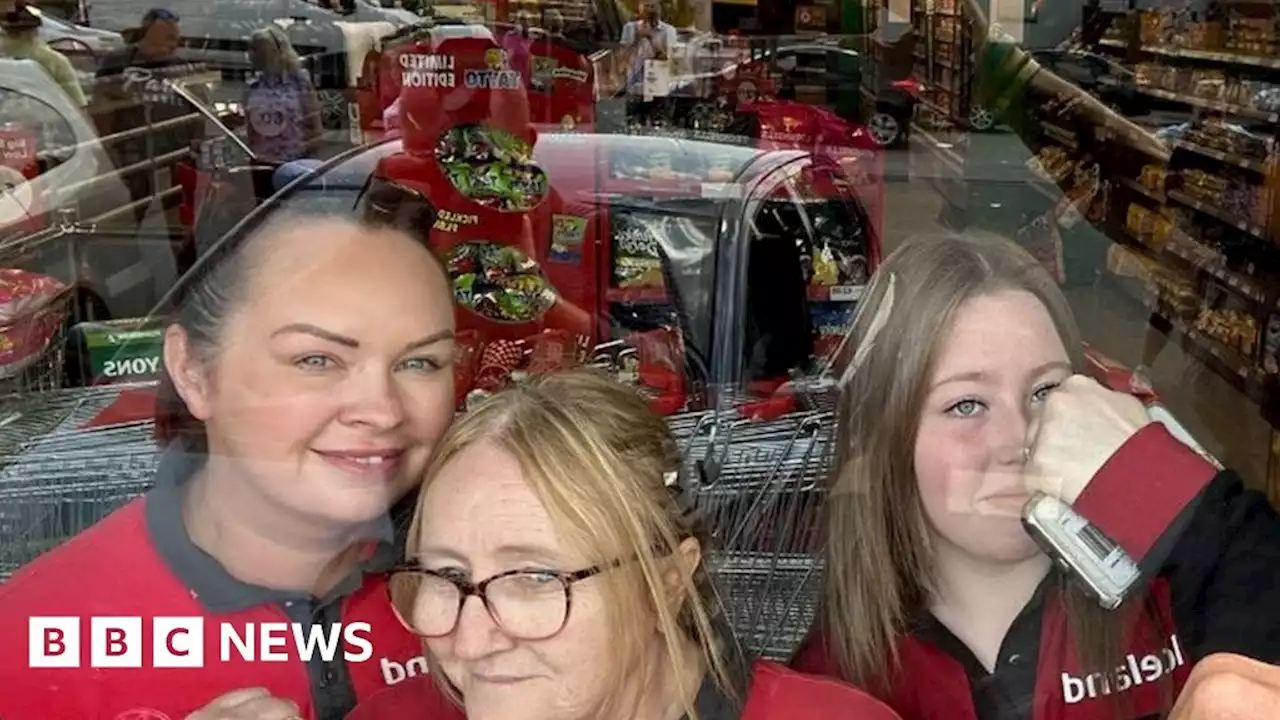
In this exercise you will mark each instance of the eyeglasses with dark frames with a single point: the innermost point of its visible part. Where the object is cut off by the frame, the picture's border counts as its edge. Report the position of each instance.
(525, 604)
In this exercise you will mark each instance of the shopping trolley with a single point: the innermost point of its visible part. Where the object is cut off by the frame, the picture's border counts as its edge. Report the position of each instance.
(759, 485)
(58, 476)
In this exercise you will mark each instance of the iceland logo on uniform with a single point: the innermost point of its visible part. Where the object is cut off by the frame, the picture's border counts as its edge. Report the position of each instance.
(1135, 671)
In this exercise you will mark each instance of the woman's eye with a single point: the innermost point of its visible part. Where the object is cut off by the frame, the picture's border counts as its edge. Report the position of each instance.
(1042, 393)
(422, 364)
(314, 362)
(965, 408)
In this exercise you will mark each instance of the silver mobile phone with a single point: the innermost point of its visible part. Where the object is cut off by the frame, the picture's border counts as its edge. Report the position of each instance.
(1102, 568)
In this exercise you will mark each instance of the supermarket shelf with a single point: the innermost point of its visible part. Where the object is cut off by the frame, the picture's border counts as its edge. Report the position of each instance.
(1242, 284)
(1226, 57)
(1228, 158)
(1060, 134)
(658, 295)
(636, 295)
(1190, 54)
(1222, 361)
(1143, 189)
(1208, 104)
(836, 293)
(1213, 212)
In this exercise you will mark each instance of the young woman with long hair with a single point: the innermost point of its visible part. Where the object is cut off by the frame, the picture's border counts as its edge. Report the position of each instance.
(962, 397)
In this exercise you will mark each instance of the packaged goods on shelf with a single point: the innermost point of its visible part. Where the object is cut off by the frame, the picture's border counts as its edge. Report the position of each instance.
(1140, 222)
(1271, 345)
(1251, 36)
(33, 308)
(1229, 192)
(1178, 293)
(1152, 177)
(1230, 138)
(1234, 329)
(1152, 27)
(1127, 263)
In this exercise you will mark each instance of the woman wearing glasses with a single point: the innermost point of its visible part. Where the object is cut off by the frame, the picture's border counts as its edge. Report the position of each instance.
(557, 572)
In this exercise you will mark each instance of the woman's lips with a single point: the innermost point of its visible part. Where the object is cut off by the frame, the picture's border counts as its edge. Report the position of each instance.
(499, 679)
(1004, 504)
(371, 464)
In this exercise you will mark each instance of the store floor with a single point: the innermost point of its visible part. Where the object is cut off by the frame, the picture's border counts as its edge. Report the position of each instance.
(1226, 422)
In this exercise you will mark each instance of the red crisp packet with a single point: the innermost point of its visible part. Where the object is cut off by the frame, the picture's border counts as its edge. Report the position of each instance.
(661, 367)
(554, 351)
(1115, 376)
(497, 361)
(29, 315)
(658, 348)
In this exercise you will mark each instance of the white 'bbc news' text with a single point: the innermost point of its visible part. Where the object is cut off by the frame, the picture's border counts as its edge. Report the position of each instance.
(179, 642)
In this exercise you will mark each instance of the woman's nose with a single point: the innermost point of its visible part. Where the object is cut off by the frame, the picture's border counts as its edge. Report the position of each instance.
(477, 634)
(1014, 431)
(373, 399)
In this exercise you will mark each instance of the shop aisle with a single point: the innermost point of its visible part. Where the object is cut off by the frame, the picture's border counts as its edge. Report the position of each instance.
(1226, 422)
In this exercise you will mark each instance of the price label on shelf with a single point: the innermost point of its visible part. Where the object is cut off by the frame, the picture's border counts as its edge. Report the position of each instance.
(847, 293)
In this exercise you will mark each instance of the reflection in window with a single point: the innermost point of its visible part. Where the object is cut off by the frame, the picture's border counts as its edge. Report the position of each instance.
(34, 139)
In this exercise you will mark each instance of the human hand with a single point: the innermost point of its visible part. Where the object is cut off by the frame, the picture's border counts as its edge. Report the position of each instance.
(248, 704)
(1081, 426)
(1229, 687)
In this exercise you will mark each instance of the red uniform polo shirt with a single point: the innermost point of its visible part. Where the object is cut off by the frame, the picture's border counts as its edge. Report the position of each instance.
(768, 692)
(1211, 549)
(140, 563)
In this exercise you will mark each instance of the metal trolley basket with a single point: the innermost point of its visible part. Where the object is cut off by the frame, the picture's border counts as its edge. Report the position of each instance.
(760, 486)
(57, 477)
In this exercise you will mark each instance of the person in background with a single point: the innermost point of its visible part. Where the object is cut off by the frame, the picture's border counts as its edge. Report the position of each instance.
(280, 102)
(517, 44)
(556, 569)
(134, 89)
(21, 39)
(289, 425)
(967, 350)
(646, 38)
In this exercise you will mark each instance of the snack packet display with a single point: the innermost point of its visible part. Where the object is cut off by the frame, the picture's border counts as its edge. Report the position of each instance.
(499, 282)
(492, 167)
(30, 316)
(637, 257)
(660, 368)
(498, 360)
(555, 351)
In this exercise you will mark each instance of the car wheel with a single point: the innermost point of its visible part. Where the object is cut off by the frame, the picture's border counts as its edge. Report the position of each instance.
(885, 128)
(981, 119)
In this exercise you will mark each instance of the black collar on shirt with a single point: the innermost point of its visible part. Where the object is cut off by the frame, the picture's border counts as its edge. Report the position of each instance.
(207, 579)
(1008, 691)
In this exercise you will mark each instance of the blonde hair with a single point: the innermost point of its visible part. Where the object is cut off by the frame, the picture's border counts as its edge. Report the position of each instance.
(598, 460)
(878, 571)
(282, 58)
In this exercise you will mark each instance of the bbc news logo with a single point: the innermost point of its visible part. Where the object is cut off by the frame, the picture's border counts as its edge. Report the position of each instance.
(179, 642)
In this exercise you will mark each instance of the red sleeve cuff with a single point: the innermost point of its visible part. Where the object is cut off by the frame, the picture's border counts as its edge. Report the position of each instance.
(1143, 487)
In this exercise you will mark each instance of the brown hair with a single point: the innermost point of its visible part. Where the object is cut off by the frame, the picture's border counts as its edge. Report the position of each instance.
(599, 461)
(878, 571)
